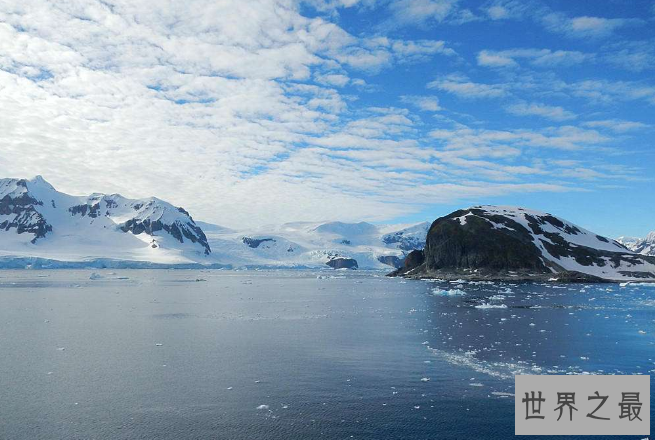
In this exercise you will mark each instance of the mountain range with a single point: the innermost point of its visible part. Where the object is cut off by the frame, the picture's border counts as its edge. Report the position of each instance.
(42, 227)
(644, 246)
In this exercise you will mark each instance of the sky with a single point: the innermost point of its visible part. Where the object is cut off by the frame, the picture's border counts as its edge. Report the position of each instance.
(254, 112)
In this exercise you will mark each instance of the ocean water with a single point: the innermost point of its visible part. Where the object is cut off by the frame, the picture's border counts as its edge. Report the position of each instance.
(177, 354)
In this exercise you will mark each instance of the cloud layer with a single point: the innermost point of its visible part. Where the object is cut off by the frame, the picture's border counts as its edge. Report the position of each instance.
(256, 112)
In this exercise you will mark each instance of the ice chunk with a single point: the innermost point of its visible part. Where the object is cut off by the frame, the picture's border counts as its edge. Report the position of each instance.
(490, 306)
(449, 292)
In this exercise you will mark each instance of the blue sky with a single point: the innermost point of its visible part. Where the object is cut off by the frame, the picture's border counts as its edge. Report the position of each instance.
(256, 112)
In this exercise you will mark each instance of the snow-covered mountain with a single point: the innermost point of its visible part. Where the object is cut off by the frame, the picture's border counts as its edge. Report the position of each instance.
(39, 224)
(506, 242)
(318, 244)
(38, 221)
(644, 246)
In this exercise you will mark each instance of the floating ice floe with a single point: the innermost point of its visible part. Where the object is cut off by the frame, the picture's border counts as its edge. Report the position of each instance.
(262, 407)
(490, 306)
(96, 276)
(449, 292)
(158, 345)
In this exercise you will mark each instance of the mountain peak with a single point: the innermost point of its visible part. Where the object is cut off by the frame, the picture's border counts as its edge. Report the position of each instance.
(38, 180)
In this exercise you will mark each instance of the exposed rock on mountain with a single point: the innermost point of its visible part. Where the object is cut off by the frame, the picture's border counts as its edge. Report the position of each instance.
(342, 263)
(255, 242)
(516, 243)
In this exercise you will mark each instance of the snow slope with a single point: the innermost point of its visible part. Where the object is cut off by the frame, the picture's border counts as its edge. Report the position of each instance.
(305, 244)
(37, 221)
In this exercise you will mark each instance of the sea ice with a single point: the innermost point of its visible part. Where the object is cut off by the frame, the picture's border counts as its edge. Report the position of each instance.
(450, 292)
(490, 306)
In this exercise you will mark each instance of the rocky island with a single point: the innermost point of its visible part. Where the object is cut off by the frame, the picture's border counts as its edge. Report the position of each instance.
(511, 244)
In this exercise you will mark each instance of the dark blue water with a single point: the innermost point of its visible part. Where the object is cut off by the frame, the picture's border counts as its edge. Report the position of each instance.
(295, 355)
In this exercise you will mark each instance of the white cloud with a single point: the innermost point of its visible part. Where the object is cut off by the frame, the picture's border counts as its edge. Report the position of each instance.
(506, 9)
(635, 56)
(536, 57)
(495, 59)
(617, 125)
(586, 26)
(554, 113)
(240, 110)
(333, 79)
(421, 11)
(461, 86)
(426, 103)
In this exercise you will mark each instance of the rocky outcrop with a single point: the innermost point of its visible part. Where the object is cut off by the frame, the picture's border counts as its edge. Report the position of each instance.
(490, 242)
(342, 263)
(413, 261)
(255, 242)
(479, 244)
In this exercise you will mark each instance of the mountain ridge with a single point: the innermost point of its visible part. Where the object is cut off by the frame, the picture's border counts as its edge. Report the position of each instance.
(44, 227)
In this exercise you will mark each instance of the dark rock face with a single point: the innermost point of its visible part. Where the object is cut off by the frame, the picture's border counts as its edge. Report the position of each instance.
(414, 260)
(255, 242)
(391, 260)
(477, 244)
(178, 230)
(91, 210)
(342, 263)
(27, 219)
